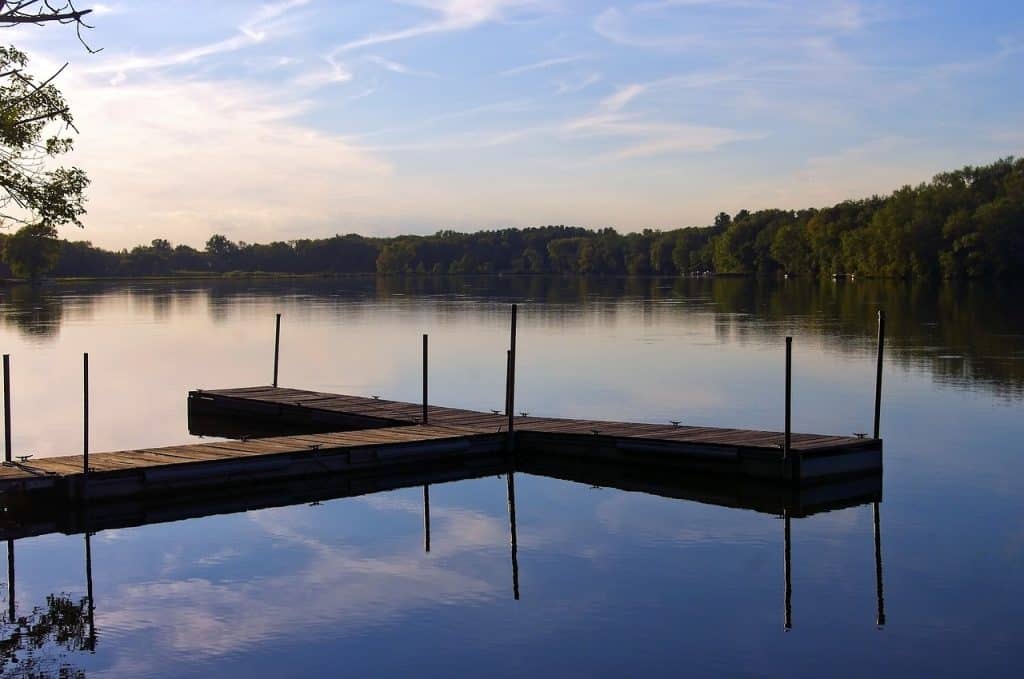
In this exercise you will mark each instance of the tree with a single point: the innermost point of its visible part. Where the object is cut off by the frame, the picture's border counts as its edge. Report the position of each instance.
(30, 192)
(34, 125)
(222, 251)
(32, 250)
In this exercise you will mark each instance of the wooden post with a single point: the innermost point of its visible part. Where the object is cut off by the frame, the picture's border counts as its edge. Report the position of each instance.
(789, 397)
(277, 346)
(514, 533)
(10, 581)
(786, 563)
(7, 408)
(425, 379)
(879, 595)
(426, 518)
(85, 414)
(512, 371)
(878, 371)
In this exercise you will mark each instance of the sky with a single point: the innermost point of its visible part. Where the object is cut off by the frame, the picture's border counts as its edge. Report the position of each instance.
(307, 118)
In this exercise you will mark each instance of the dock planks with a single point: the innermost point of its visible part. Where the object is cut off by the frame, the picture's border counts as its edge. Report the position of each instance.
(248, 399)
(225, 462)
(336, 433)
(707, 449)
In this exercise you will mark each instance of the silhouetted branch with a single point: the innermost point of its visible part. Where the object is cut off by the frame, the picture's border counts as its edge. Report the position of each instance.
(39, 12)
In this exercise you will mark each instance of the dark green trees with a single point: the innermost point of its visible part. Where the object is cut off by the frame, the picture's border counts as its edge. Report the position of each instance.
(963, 224)
(32, 250)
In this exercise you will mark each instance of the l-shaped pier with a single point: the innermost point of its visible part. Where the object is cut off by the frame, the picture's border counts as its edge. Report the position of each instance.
(334, 433)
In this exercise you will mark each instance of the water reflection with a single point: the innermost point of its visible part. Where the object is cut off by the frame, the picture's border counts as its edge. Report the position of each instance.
(43, 643)
(35, 311)
(43, 639)
(962, 333)
(514, 534)
(266, 585)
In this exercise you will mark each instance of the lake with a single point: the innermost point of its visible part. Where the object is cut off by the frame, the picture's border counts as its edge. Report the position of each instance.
(610, 582)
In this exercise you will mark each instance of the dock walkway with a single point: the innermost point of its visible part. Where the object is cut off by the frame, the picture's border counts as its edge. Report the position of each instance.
(334, 433)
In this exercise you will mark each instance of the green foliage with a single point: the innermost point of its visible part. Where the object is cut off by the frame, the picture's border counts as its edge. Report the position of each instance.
(32, 250)
(30, 190)
(963, 224)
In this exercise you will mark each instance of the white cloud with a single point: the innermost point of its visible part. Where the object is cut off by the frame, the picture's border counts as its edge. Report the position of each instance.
(395, 67)
(182, 158)
(100, 9)
(449, 16)
(331, 72)
(613, 25)
(546, 63)
(623, 96)
(264, 23)
(645, 138)
(730, 24)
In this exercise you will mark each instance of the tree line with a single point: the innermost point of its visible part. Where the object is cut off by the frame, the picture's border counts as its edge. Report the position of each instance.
(968, 223)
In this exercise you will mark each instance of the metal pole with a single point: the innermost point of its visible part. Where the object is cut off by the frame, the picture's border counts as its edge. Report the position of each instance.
(508, 376)
(85, 414)
(878, 371)
(277, 346)
(7, 408)
(426, 518)
(513, 531)
(789, 396)
(788, 621)
(879, 594)
(425, 379)
(512, 371)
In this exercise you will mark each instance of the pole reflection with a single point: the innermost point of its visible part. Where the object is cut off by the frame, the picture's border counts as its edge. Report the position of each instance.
(426, 518)
(879, 594)
(514, 533)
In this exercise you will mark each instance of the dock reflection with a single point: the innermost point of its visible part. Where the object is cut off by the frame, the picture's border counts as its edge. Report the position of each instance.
(789, 504)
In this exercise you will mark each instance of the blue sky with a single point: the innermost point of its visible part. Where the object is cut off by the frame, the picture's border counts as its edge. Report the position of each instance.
(300, 118)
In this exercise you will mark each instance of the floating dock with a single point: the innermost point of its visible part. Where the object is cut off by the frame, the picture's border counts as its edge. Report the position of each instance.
(333, 433)
(737, 452)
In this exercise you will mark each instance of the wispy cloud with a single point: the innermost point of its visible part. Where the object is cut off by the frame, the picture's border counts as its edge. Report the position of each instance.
(448, 16)
(643, 138)
(331, 71)
(676, 25)
(395, 67)
(268, 21)
(100, 9)
(612, 25)
(179, 157)
(253, 121)
(623, 96)
(546, 63)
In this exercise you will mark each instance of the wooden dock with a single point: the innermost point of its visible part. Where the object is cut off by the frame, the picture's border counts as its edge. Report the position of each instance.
(335, 434)
(738, 452)
(220, 463)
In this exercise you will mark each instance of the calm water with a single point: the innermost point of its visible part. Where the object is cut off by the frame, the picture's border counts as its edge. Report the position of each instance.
(612, 583)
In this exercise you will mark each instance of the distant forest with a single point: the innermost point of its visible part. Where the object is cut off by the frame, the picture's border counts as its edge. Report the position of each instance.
(963, 224)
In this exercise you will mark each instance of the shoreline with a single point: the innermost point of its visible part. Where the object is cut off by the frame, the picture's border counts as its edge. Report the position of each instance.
(272, 276)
